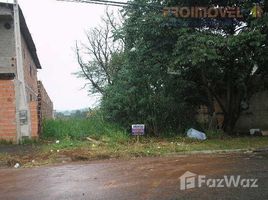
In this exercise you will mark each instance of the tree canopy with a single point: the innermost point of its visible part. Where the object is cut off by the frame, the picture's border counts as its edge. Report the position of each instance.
(168, 67)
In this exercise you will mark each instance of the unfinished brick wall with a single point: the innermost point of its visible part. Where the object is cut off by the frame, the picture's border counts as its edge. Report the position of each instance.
(7, 110)
(45, 105)
(34, 119)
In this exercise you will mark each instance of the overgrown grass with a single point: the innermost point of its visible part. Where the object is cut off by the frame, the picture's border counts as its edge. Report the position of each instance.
(73, 133)
(93, 138)
(5, 142)
(112, 141)
(79, 129)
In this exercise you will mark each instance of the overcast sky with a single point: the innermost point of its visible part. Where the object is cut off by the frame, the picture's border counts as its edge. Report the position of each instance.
(55, 26)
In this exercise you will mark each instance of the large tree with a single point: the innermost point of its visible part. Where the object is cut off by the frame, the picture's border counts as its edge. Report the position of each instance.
(95, 55)
(230, 68)
(167, 67)
(144, 92)
(215, 61)
(229, 62)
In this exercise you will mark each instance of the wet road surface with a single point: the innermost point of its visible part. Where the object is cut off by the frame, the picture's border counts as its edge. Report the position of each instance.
(142, 178)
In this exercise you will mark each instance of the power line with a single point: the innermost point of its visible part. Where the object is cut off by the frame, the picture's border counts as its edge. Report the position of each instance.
(100, 2)
(113, 3)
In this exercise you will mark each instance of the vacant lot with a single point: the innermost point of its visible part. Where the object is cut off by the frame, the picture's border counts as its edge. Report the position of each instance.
(66, 150)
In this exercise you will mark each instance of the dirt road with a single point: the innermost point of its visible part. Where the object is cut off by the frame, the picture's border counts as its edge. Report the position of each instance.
(142, 178)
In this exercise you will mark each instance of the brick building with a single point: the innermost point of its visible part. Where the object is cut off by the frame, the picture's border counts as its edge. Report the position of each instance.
(23, 100)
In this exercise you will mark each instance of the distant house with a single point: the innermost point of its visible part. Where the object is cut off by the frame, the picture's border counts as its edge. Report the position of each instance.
(23, 99)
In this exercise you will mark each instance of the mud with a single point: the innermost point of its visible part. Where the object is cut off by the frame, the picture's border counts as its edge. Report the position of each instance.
(142, 178)
(18, 149)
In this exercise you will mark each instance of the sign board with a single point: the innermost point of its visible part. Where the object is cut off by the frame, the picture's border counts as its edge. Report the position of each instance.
(138, 129)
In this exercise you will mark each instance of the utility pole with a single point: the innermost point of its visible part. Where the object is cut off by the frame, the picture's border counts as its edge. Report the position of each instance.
(22, 107)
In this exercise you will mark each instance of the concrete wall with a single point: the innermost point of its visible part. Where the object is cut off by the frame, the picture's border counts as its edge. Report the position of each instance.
(5, 10)
(7, 43)
(257, 114)
(256, 117)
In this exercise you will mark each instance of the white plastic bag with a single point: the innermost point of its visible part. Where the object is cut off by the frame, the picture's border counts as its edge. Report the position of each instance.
(192, 133)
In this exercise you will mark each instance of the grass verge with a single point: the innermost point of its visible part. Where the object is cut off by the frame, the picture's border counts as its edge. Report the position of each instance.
(67, 150)
(93, 139)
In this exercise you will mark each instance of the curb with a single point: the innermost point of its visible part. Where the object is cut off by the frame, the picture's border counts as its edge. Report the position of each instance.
(259, 150)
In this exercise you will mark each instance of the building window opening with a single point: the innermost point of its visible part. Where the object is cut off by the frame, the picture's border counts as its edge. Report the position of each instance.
(7, 25)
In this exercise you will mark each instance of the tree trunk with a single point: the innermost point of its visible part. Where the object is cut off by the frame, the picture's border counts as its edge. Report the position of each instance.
(210, 106)
(233, 112)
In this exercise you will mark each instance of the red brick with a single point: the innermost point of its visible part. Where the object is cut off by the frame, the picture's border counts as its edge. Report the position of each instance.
(7, 110)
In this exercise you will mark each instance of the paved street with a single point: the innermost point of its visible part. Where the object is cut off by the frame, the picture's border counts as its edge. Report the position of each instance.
(142, 178)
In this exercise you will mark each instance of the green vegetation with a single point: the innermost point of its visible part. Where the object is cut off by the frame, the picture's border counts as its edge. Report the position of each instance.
(78, 129)
(159, 147)
(93, 139)
(211, 62)
(67, 150)
(5, 142)
(98, 136)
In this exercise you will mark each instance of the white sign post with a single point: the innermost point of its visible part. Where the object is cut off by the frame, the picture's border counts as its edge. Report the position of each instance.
(138, 130)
